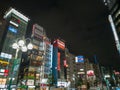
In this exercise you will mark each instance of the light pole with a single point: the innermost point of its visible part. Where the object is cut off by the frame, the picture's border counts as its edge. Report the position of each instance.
(73, 78)
(23, 45)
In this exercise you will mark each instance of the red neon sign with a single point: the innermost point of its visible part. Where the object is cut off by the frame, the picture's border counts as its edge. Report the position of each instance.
(58, 66)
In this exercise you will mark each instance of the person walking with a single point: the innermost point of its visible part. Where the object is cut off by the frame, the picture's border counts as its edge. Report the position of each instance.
(88, 85)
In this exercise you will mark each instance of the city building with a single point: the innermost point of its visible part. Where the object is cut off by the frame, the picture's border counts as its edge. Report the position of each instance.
(71, 67)
(13, 27)
(47, 63)
(109, 3)
(90, 74)
(59, 63)
(114, 19)
(3, 24)
(81, 69)
(4, 61)
(97, 72)
(32, 67)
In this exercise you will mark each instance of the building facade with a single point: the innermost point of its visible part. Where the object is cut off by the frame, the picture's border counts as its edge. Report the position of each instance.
(71, 67)
(59, 61)
(32, 61)
(14, 27)
(114, 19)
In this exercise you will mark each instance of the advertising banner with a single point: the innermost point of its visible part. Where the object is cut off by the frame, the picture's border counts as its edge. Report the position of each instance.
(30, 82)
(65, 62)
(79, 59)
(60, 44)
(61, 84)
(90, 73)
(38, 31)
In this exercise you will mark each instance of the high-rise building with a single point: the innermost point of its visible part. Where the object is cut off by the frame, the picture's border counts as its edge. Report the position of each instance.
(71, 67)
(114, 19)
(46, 80)
(36, 64)
(59, 61)
(14, 26)
(109, 3)
(115, 13)
(81, 67)
(3, 24)
(48, 57)
(90, 75)
(32, 68)
(97, 72)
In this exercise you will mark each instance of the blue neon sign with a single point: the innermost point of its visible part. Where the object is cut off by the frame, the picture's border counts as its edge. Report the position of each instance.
(80, 59)
(12, 29)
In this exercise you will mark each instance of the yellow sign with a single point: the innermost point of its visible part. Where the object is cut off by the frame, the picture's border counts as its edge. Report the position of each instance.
(4, 62)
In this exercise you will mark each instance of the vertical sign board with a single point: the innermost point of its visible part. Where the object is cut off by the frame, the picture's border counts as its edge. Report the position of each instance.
(65, 63)
(51, 54)
(58, 61)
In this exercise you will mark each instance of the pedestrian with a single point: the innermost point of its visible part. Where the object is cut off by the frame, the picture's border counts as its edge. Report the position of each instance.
(88, 85)
(98, 88)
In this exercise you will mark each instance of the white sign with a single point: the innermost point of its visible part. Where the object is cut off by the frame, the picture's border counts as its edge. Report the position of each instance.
(6, 55)
(62, 84)
(30, 82)
(81, 73)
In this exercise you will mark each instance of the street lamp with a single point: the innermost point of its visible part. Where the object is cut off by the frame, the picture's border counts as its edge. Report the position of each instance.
(23, 45)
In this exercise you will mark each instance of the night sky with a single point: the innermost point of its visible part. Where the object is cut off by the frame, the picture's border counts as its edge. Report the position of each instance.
(83, 24)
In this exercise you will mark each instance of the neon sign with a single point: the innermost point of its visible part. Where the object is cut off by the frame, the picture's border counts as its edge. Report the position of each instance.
(12, 29)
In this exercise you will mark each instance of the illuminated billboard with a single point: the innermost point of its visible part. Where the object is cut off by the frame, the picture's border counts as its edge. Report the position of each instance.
(81, 73)
(30, 82)
(37, 31)
(60, 44)
(62, 84)
(79, 59)
(58, 66)
(90, 73)
(3, 83)
(12, 29)
(18, 14)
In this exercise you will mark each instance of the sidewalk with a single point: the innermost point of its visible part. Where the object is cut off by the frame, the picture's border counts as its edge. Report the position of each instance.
(93, 88)
(97, 88)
